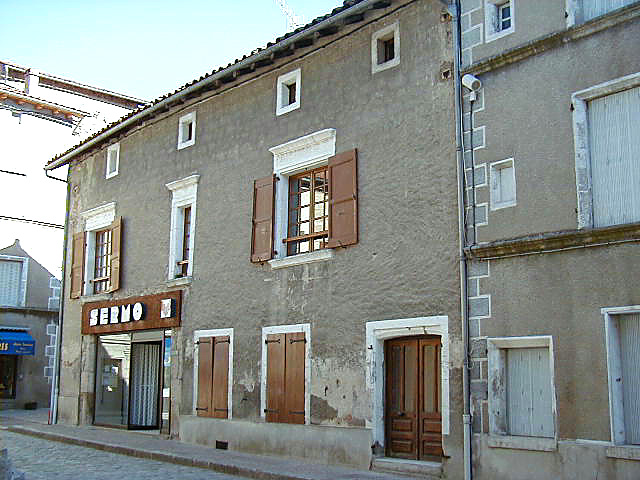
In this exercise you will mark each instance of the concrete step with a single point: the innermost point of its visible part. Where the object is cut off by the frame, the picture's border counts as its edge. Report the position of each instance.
(410, 468)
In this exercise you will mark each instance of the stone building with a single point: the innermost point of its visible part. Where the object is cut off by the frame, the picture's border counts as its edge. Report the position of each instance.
(553, 212)
(267, 259)
(29, 301)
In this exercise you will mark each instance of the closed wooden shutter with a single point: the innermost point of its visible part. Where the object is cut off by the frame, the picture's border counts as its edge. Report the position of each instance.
(77, 265)
(220, 384)
(205, 357)
(343, 199)
(116, 241)
(263, 209)
(275, 411)
(294, 377)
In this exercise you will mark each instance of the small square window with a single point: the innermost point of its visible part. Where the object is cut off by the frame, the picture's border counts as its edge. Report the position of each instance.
(499, 19)
(113, 160)
(503, 184)
(187, 130)
(288, 92)
(385, 48)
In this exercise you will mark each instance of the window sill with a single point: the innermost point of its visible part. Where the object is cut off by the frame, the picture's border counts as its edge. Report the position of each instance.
(186, 144)
(625, 452)
(380, 67)
(301, 259)
(177, 282)
(98, 297)
(287, 108)
(540, 444)
(490, 37)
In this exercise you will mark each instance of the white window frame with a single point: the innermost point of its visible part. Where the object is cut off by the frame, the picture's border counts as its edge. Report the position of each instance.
(494, 168)
(113, 150)
(185, 120)
(294, 77)
(216, 332)
(582, 143)
(296, 156)
(184, 193)
(492, 22)
(300, 327)
(95, 219)
(22, 292)
(614, 369)
(575, 12)
(381, 35)
(498, 392)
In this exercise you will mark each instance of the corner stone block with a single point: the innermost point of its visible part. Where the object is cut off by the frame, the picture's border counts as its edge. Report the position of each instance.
(468, 5)
(479, 269)
(479, 307)
(479, 390)
(478, 348)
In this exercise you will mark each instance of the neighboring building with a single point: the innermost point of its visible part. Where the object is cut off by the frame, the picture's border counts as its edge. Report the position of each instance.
(245, 253)
(40, 115)
(29, 302)
(556, 299)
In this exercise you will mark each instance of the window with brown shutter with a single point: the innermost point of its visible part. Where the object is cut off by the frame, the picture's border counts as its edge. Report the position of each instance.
(77, 265)
(285, 377)
(343, 199)
(263, 205)
(213, 376)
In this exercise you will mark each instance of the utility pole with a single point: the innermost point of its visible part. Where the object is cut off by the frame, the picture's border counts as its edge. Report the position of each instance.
(293, 21)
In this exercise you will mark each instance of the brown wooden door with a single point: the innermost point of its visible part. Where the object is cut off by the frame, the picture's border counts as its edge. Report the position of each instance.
(413, 420)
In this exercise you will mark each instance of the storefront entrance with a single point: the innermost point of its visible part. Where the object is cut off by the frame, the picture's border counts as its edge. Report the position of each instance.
(130, 380)
(413, 419)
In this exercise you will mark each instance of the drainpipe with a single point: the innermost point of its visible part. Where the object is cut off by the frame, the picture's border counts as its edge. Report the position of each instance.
(55, 386)
(464, 304)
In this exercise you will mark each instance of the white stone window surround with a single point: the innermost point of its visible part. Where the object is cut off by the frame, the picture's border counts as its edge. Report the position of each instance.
(376, 334)
(113, 160)
(300, 327)
(296, 156)
(185, 120)
(216, 332)
(184, 193)
(387, 32)
(497, 393)
(581, 140)
(492, 21)
(95, 219)
(614, 368)
(496, 184)
(282, 97)
(22, 295)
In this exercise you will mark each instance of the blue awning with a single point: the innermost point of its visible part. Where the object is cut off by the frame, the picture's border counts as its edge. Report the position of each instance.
(16, 343)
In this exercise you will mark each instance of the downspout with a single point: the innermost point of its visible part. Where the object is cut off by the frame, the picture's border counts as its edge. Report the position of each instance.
(55, 386)
(464, 303)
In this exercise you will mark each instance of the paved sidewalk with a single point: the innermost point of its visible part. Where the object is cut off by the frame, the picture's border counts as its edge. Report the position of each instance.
(154, 448)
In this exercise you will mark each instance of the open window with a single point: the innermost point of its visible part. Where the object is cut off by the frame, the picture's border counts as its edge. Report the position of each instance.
(113, 160)
(288, 92)
(385, 48)
(183, 219)
(499, 16)
(187, 130)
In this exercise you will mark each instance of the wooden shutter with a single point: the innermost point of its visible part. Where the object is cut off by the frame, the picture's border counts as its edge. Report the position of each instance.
(116, 240)
(77, 265)
(343, 199)
(275, 411)
(263, 215)
(294, 377)
(205, 357)
(220, 383)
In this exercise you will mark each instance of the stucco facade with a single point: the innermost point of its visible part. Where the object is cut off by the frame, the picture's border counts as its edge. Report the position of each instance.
(402, 272)
(542, 275)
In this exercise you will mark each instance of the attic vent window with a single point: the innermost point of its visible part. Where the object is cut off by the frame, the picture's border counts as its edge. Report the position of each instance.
(385, 48)
(113, 160)
(187, 130)
(288, 92)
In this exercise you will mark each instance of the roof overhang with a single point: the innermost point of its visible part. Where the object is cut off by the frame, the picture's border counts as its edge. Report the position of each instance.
(24, 103)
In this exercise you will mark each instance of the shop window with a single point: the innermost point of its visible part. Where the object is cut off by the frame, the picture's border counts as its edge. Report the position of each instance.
(308, 206)
(113, 160)
(286, 353)
(385, 48)
(499, 18)
(95, 264)
(187, 130)
(183, 218)
(13, 280)
(214, 376)
(288, 92)
(8, 369)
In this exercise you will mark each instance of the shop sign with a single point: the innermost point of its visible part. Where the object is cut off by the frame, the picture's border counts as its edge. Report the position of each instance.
(139, 313)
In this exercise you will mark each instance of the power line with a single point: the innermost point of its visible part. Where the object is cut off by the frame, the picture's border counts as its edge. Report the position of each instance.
(34, 222)
(13, 173)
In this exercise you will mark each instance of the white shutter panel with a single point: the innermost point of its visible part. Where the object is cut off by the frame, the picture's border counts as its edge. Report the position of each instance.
(595, 8)
(10, 282)
(630, 355)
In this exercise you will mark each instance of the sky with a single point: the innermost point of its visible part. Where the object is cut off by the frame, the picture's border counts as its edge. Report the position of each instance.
(142, 48)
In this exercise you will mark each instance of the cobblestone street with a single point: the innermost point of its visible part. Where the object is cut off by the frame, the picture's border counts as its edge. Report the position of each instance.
(46, 460)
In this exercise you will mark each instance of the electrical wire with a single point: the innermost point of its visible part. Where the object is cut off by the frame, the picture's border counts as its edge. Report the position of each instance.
(34, 222)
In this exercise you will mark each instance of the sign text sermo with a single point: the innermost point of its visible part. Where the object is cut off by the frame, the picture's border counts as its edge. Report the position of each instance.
(118, 314)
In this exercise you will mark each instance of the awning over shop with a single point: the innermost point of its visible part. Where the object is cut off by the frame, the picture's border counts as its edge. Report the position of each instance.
(14, 342)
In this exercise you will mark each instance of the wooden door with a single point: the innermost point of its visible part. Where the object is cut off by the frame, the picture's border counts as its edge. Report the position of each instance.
(413, 420)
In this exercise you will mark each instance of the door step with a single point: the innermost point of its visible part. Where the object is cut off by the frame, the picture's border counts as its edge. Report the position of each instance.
(411, 468)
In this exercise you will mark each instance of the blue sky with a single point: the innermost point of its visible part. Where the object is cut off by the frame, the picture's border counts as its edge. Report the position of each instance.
(142, 48)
